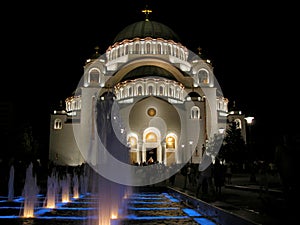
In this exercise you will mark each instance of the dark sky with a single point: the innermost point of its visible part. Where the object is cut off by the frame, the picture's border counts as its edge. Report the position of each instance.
(44, 46)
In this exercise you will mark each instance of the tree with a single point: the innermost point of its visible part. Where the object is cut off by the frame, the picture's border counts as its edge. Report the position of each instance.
(234, 147)
(27, 144)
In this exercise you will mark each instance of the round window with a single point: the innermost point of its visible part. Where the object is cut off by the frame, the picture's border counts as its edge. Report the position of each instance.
(151, 112)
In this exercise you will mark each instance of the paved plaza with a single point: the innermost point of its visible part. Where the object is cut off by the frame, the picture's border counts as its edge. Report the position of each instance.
(250, 200)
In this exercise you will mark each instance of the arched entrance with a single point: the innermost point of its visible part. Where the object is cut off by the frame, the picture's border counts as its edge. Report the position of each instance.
(151, 155)
(151, 150)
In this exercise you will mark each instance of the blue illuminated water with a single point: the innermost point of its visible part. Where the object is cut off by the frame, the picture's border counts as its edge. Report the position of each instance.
(143, 208)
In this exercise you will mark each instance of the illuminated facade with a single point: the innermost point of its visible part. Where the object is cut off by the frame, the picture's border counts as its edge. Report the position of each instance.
(167, 96)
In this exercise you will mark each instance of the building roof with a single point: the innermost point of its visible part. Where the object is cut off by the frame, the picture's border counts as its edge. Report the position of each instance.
(147, 28)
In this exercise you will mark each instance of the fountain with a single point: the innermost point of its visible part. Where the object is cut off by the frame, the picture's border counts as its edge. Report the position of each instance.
(11, 183)
(75, 183)
(112, 202)
(30, 192)
(52, 189)
(108, 203)
(65, 189)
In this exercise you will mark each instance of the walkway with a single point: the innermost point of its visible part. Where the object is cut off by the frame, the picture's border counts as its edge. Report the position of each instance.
(245, 199)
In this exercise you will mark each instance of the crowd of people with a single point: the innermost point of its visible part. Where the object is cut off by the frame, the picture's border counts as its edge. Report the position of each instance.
(205, 179)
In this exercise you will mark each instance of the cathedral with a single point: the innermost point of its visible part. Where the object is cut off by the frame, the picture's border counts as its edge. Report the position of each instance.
(160, 101)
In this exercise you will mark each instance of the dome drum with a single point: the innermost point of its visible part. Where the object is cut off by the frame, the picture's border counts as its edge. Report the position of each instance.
(123, 51)
(149, 87)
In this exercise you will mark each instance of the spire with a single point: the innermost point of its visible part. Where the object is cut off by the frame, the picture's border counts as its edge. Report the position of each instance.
(147, 11)
(233, 107)
(96, 55)
(200, 54)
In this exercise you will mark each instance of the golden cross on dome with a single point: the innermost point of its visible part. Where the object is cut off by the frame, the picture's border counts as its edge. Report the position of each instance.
(199, 50)
(97, 49)
(147, 12)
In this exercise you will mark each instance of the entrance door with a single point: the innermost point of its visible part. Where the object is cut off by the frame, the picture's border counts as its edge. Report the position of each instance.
(151, 153)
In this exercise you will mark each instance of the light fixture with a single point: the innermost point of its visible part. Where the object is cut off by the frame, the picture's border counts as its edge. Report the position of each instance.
(249, 119)
(221, 130)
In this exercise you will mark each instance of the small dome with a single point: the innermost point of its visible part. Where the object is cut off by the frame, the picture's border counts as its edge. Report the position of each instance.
(147, 28)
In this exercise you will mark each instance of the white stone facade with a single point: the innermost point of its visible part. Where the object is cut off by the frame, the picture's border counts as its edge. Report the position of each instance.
(169, 103)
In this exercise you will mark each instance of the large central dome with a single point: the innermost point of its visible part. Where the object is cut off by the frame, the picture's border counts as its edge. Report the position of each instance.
(147, 28)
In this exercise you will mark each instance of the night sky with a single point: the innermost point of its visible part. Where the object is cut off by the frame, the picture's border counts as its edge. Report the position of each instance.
(44, 46)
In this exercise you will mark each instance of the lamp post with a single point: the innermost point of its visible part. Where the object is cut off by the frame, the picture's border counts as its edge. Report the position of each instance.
(183, 153)
(249, 121)
(191, 147)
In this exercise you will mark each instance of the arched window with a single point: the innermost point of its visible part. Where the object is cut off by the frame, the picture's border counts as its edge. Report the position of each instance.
(119, 51)
(115, 54)
(161, 90)
(94, 76)
(57, 124)
(177, 93)
(170, 142)
(126, 49)
(169, 50)
(238, 123)
(137, 48)
(151, 137)
(148, 48)
(181, 54)
(68, 106)
(133, 142)
(140, 90)
(159, 48)
(171, 91)
(195, 112)
(203, 77)
(129, 91)
(150, 90)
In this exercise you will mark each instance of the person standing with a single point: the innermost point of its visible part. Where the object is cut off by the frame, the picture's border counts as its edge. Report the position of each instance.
(205, 183)
(219, 176)
(189, 175)
(263, 178)
(228, 173)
